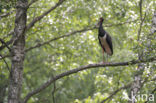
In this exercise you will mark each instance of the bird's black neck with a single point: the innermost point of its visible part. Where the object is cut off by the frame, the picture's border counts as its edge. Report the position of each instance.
(101, 30)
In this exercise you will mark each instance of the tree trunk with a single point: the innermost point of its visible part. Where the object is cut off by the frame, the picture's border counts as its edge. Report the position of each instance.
(153, 29)
(136, 86)
(3, 90)
(15, 82)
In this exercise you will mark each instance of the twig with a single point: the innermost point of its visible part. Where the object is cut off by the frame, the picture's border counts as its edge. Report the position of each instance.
(115, 92)
(53, 92)
(31, 24)
(6, 45)
(110, 25)
(139, 31)
(140, 5)
(125, 87)
(6, 63)
(32, 1)
(5, 56)
(149, 95)
(7, 14)
(81, 68)
(56, 38)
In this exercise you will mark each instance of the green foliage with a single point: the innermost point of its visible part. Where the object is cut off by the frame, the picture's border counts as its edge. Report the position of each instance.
(89, 86)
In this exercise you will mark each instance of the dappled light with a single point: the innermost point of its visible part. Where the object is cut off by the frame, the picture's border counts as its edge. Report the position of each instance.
(77, 51)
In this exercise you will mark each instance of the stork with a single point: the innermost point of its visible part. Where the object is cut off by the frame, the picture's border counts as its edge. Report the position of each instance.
(105, 40)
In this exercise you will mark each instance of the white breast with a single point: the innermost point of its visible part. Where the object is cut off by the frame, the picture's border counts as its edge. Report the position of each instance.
(105, 45)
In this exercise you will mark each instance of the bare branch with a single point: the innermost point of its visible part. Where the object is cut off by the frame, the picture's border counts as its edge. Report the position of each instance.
(31, 24)
(81, 68)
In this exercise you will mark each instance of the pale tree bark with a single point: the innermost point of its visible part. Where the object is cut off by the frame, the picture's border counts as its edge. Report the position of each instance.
(136, 86)
(3, 87)
(153, 29)
(15, 82)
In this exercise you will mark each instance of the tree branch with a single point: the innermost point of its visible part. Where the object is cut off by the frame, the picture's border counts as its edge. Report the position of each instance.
(31, 24)
(74, 33)
(6, 15)
(32, 1)
(63, 36)
(125, 87)
(5, 56)
(153, 91)
(116, 91)
(141, 19)
(81, 68)
(5, 45)
(140, 5)
(5, 63)
(56, 38)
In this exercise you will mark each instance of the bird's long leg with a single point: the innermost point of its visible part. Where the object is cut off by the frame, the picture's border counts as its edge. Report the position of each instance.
(107, 58)
(103, 55)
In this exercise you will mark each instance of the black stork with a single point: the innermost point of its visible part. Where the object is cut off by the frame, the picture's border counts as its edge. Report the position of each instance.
(105, 40)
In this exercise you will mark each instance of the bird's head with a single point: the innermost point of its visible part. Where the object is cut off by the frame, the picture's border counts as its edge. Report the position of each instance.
(100, 22)
(101, 19)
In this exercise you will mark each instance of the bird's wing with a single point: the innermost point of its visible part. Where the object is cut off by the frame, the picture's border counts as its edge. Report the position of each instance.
(109, 41)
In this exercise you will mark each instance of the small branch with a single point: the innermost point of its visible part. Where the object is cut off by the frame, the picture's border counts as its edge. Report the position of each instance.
(125, 87)
(63, 36)
(116, 91)
(56, 38)
(142, 20)
(5, 56)
(140, 5)
(5, 45)
(140, 53)
(73, 33)
(53, 92)
(5, 63)
(81, 68)
(32, 1)
(151, 93)
(31, 24)
(122, 23)
(6, 15)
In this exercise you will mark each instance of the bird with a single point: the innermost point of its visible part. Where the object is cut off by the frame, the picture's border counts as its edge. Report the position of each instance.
(105, 40)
